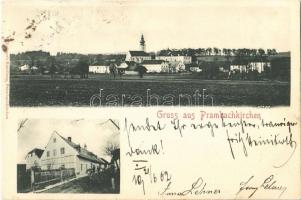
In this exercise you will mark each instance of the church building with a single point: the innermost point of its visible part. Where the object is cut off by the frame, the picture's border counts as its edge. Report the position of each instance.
(140, 55)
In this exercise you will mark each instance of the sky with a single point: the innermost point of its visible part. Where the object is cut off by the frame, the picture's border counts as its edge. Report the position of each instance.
(117, 26)
(94, 133)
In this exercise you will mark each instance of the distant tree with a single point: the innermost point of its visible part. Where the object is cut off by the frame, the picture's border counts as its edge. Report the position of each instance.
(253, 52)
(210, 70)
(113, 70)
(52, 67)
(274, 52)
(109, 148)
(141, 70)
(261, 52)
(209, 51)
(216, 51)
(83, 67)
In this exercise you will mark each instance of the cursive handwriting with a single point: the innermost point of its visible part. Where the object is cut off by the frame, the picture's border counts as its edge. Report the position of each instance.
(269, 184)
(247, 141)
(198, 187)
(147, 126)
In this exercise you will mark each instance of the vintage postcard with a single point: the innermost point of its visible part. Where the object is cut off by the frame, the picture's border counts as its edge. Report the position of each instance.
(128, 99)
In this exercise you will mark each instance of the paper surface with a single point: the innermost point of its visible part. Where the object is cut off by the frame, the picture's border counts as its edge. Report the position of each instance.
(180, 130)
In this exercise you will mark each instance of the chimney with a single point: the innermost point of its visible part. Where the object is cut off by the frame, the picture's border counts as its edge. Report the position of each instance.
(85, 146)
(69, 139)
(78, 147)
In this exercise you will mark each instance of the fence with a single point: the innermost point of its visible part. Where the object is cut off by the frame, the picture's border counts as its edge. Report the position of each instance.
(41, 179)
(23, 179)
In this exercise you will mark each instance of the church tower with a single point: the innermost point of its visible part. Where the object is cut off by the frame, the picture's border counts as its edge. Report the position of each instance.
(142, 43)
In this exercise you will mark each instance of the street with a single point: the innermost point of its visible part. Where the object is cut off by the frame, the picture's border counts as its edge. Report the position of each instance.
(81, 185)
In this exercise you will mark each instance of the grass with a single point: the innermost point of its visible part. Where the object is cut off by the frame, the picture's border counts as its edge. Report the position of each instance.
(43, 91)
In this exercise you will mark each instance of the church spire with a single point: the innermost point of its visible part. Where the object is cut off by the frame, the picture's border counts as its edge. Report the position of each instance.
(142, 43)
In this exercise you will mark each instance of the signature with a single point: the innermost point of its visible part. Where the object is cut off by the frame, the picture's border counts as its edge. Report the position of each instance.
(268, 184)
(198, 187)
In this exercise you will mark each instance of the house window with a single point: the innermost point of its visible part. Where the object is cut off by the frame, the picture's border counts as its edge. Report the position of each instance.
(48, 153)
(49, 166)
(54, 152)
(62, 150)
(81, 167)
(54, 140)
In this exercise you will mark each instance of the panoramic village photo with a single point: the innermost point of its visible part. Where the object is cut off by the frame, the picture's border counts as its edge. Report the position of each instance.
(65, 57)
(68, 156)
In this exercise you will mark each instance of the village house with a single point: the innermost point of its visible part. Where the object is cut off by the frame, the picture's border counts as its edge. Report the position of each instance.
(193, 67)
(175, 58)
(155, 65)
(24, 68)
(240, 68)
(128, 67)
(33, 158)
(99, 69)
(259, 66)
(176, 66)
(64, 153)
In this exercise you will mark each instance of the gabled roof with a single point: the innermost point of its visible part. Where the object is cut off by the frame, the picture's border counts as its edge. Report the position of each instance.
(152, 62)
(84, 153)
(131, 66)
(139, 53)
(37, 151)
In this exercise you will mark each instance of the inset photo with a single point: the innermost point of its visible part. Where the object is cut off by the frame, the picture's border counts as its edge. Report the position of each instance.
(68, 156)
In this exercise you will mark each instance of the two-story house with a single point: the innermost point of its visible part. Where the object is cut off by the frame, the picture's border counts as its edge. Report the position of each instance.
(62, 152)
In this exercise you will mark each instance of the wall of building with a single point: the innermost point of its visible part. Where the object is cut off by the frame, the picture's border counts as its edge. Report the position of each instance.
(55, 159)
(99, 69)
(83, 165)
(32, 160)
(183, 59)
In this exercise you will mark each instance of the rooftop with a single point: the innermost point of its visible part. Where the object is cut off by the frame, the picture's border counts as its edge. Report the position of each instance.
(37, 151)
(139, 53)
(152, 62)
(84, 153)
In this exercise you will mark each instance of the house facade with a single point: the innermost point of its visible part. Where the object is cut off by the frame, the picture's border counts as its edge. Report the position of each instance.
(62, 152)
(259, 66)
(176, 67)
(99, 69)
(155, 65)
(24, 67)
(32, 158)
(175, 58)
(240, 68)
(137, 56)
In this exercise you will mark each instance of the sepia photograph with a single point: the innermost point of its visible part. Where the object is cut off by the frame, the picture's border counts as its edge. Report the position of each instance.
(68, 156)
(135, 54)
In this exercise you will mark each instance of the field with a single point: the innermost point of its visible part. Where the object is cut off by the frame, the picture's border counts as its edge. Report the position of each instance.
(44, 91)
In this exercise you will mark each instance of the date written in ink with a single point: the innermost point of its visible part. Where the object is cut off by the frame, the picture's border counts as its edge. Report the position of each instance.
(143, 175)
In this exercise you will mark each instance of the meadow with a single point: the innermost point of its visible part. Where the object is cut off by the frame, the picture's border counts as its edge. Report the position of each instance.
(43, 91)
